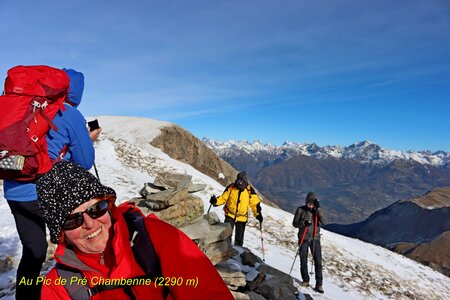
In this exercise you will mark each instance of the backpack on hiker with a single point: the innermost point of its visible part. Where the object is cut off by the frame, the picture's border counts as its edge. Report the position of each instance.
(32, 97)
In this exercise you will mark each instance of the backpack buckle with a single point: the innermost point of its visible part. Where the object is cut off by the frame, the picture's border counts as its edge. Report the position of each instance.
(3, 153)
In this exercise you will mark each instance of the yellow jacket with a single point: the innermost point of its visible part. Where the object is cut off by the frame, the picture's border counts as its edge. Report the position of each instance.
(247, 198)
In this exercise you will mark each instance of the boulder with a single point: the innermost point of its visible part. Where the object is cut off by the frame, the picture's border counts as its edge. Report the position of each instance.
(172, 180)
(234, 279)
(182, 212)
(193, 188)
(218, 251)
(167, 197)
(149, 188)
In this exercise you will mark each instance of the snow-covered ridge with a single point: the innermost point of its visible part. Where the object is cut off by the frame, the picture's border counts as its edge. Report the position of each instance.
(352, 269)
(365, 151)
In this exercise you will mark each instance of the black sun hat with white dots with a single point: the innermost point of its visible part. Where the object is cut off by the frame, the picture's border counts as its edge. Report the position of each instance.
(65, 187)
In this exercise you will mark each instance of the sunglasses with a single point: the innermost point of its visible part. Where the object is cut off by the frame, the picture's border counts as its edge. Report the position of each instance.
(94, 211)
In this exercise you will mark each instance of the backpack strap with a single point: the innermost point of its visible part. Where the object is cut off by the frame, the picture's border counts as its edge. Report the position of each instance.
(61, 154)
(142, 247)
(143, 252)
(316, 216)
(75, 291)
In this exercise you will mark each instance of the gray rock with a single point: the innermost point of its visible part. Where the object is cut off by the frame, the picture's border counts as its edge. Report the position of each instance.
(240, 296)
(285, 278)
(172, 180)
(168, 197)
(193, 188)
(255, 296)
(255, 283)
(218, 232)
(248, 258)
(274, 288)
(183, 212)
(212, 218)
(184, 183)
(150, 188)
(6, 264)
(197, 229)
(143, 205)
(218, 251)
(234, 279)
(251, 275)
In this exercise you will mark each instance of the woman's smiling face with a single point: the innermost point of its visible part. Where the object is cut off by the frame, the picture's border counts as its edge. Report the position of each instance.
(92, 236)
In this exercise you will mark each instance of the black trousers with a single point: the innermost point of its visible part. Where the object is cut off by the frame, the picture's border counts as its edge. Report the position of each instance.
(240, 230)
(317, 257)
(31, 228)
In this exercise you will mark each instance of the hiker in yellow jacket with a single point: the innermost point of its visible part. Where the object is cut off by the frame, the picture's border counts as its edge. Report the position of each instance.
(238, 197)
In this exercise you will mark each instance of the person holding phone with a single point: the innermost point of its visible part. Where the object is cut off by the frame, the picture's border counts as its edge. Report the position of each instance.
(72, 141)
(94, 129)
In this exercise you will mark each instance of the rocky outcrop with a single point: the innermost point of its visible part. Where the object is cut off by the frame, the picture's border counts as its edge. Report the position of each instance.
(181, 145)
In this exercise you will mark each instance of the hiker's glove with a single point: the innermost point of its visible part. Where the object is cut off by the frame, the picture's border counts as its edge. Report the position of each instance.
(307, 223)
(259, 217)
(213, 200)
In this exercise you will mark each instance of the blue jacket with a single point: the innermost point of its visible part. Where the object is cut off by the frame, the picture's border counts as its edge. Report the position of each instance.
(71, 131)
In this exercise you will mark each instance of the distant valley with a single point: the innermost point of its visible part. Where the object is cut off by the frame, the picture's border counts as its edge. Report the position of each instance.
(418, 228)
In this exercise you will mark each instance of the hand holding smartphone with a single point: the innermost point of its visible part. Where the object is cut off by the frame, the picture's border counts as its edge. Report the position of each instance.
(93, 125)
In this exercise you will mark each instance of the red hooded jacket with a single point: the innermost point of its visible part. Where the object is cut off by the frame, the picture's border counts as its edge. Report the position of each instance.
(187, 271)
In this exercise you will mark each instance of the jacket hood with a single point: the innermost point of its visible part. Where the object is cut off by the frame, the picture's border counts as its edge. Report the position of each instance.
(76, 86)
(310, 198)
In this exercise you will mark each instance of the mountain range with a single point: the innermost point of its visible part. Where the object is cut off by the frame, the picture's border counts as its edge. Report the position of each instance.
(352, 182)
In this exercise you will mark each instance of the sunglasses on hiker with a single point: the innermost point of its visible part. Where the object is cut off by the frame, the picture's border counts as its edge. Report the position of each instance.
(94, 211)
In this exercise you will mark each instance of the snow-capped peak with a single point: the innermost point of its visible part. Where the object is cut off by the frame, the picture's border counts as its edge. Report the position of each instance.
(364, 151)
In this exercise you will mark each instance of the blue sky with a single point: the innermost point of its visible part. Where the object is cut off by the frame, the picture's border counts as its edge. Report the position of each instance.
(329, 72)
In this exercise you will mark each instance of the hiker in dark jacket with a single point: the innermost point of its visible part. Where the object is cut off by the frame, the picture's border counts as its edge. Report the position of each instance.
(238, 197)
(308, 219)
(22, 196)
(95, 242)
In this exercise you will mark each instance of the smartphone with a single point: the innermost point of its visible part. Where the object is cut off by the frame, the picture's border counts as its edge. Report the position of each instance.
(93, 125)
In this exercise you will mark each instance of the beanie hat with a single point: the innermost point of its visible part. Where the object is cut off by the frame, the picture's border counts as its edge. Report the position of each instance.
(310, 198)
(242, 175)
(65, 187)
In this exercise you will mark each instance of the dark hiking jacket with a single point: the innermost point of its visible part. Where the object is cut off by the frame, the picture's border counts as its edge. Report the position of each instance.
(303, 214)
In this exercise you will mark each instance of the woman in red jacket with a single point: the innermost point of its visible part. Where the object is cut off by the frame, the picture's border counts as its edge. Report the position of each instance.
(99, 254)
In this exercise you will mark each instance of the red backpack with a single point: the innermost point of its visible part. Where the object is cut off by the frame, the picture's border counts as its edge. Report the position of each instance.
(32, 97)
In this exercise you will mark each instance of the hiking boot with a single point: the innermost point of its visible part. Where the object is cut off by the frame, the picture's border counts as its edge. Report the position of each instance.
(319, 288)
(304, 283)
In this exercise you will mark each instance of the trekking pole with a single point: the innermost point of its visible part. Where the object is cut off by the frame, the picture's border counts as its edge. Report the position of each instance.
(313, 246)
(262, 241)
(295, 257)
(96, 172)
(298, 250)
(209, 208)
